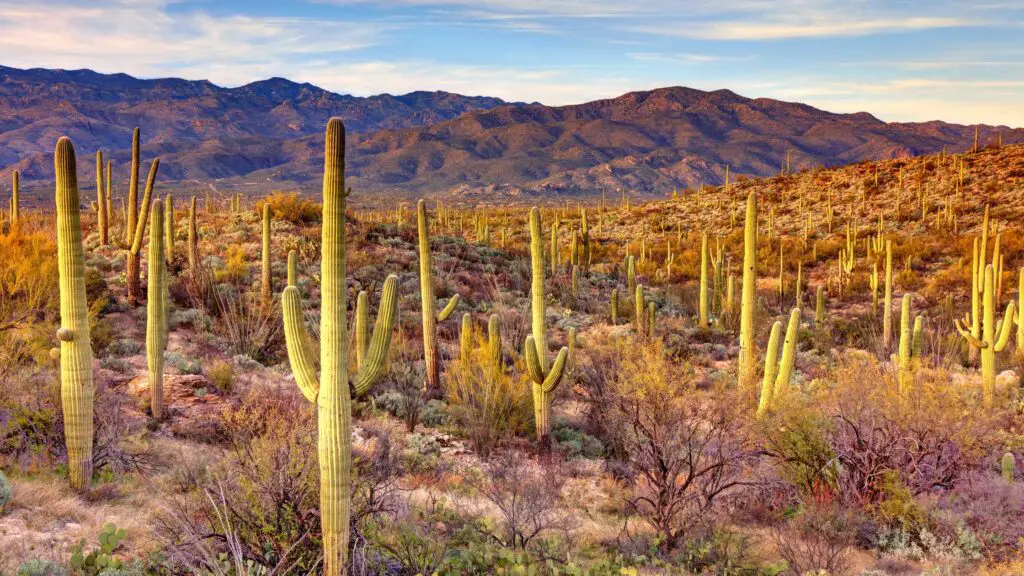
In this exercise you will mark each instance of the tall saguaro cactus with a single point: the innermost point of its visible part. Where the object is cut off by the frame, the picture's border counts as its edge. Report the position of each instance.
(136, 219)
(15, 200)
(702, 298)
(265, 287)
(332, 391)
(994, 337)
(193, 238)
(101, 204)
(544, 375)
(428, 301)
(156, 311)
(887, 311)
(76, 385)
(747, 302)
(911, 343)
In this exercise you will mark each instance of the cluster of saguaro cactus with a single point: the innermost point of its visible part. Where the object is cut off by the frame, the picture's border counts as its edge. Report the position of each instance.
(544, 375)
(76, 383)
(156, 310)
(331, 390)
(994, 336)
(428, 301)
(911, 345)
(779, 371)
(137, 219)
(747, 302)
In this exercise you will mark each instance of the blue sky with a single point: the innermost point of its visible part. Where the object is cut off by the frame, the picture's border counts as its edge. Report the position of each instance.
(905, 60)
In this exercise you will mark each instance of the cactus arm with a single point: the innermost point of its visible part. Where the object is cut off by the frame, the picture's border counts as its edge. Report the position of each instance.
(147, 196)
(1005, 328)
(449, 308)
(968, 336)
(362, 326)
(533, 366)
(292, 267)
(918, 339)
(771, 363)
(785, 372)
(297, 341)
(375, 365)
(557, 371)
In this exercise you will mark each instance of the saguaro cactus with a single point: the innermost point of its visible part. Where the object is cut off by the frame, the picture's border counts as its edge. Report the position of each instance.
(994, 337)
(331, 392)
(265, 287)
(428, 301)
(702, 297)
(911, 342)
(1008, 467)
(15, 200)
(887, 311)
(193, 238)
(169, 229)
(747, 302)
(779, 371)
(545, 376)
(156, 311)
(76, 385)
(137, 220)
(101, 204)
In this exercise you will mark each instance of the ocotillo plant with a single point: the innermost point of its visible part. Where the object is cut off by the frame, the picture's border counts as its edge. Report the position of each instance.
(911, 341)
(156, 311)
(747, 302)
(428, 301)
(994, 337)
(265, 281)
(101, 204)
(331, 391)
(76, 384)
(193, 238)
(778, 372)
(545, 376)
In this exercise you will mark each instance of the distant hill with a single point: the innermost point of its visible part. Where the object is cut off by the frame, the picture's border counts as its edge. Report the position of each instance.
(270, 133)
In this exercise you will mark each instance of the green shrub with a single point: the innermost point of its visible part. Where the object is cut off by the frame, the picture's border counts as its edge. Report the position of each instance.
(41, 568)
(577, 444)
(100, 559)
(222, 375)
(5, 492)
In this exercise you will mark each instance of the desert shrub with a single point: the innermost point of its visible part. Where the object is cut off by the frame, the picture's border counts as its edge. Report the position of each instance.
(193, 317)
(222, 375)
(817, 540)
(434, 413)
(124, 347)
(488, 410)
(182, 364)
(407, 396)
(28, 279)
(291, 207)
(249, 328)
(5, 492)
(991, 507)
(91, 561)
(683, 449)
(236, 266)
(576, 443)
(41, 568)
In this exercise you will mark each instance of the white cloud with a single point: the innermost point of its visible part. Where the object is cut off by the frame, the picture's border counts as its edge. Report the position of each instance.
(821, 27)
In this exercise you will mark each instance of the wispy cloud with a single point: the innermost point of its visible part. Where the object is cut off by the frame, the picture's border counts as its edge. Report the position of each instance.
(686, 57)
(820, 27)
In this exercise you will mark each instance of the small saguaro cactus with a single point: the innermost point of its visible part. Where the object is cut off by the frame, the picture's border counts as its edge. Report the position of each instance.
(911, 343)
(584, 241)
(614, 312)
(15, 200)
(994, 336)
(544, 375)
(887, 311)
(874, 289)
(193, 238)
(332, 391)
(1008, 467)
(747, 299)
(156, 311)
(265, 280)
(428, 301)
(640, 309)
(631, 273)
(76, 383)
(466, 338)
(819, 308)
(779, 371)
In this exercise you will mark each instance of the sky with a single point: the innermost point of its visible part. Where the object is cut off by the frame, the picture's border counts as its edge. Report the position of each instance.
(901, 60)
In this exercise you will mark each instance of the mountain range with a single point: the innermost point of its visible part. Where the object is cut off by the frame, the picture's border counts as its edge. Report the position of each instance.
(268, 134)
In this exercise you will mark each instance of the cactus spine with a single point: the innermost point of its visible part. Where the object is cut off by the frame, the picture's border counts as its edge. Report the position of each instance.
(76, 384)
(994, 336)
(703, 295)
(747, 303)
(265, 281)
(331, 391)
(428, 301)
(101, 204)
(156, 311)
(545, 376)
